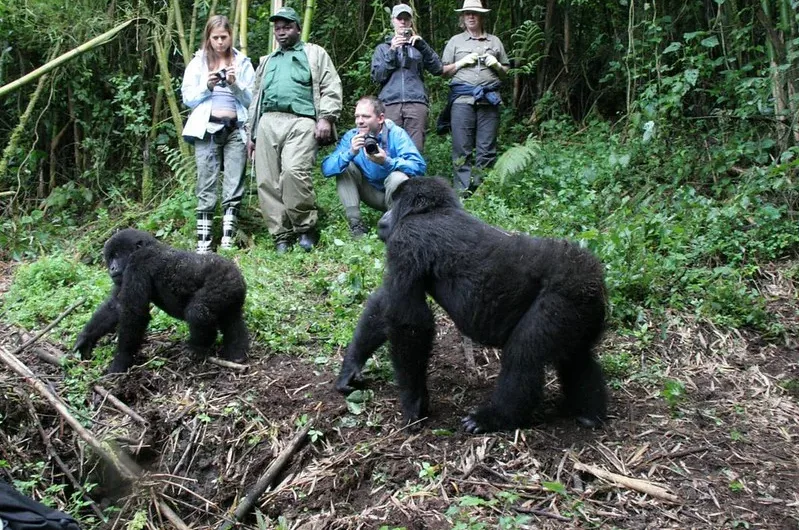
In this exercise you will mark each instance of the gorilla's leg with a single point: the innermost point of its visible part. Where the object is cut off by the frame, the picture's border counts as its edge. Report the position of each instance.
(537, 337)
(103, 322)
(584, 388)
(410, 331)
(370, 334)
(202, 326)
(235, 339)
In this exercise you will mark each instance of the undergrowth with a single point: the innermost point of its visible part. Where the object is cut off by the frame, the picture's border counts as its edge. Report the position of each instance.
(670, 242)
(673, 243)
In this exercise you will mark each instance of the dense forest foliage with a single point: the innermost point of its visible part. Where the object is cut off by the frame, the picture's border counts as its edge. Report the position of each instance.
(103, 127)
(663, 135)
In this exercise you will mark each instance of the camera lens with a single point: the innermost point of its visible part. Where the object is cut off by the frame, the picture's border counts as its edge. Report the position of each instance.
(370, 144)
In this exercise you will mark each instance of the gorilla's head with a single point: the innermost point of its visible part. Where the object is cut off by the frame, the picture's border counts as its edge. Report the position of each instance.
(120, 247)
(415, 196)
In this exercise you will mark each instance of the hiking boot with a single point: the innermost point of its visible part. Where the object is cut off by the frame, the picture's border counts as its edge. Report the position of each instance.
(204, 223)
(281, 247)
(229, 228)
(357, 229)
(308, 240)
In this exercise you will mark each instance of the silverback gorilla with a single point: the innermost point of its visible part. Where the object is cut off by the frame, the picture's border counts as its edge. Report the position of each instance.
(540, 300)
(206, 291)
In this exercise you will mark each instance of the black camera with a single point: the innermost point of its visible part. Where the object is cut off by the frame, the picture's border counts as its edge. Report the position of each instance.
(407, 33)
(222, 76)
(481, 60)
(370, 144)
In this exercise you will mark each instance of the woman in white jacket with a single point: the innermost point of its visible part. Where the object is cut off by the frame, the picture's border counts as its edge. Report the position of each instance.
(217, 86)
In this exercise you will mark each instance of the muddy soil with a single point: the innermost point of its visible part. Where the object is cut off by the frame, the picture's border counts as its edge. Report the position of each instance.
(717, 452)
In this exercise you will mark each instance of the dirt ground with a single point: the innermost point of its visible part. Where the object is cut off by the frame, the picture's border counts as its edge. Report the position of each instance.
(718, 451)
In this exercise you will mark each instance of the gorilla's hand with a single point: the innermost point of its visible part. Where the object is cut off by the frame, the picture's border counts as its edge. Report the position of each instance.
(84, 345)
(349, 378)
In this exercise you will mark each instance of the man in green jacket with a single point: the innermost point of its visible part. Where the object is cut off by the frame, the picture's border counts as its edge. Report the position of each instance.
(297, 102)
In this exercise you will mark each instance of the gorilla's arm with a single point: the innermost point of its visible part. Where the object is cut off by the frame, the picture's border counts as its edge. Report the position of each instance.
(103, 322)
(411, 328)
(370, 334)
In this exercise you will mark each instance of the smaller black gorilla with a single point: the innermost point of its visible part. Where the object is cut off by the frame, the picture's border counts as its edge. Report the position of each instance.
(207, 291)
(540, 300)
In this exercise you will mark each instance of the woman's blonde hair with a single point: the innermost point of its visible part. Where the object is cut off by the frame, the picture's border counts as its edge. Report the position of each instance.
(212, 59)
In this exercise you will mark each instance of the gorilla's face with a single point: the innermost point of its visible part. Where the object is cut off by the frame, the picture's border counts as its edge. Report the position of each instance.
(120, 247)
(385, 225)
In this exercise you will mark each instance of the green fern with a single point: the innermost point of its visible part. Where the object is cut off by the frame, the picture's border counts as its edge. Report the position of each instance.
(527, 47)
(183, 167)
(516, 159)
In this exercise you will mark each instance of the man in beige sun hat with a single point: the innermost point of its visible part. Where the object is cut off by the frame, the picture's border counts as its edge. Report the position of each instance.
(476, 61)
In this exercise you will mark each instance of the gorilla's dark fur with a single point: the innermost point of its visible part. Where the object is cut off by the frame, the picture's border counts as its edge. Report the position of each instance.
(206, 291)
(540, 300)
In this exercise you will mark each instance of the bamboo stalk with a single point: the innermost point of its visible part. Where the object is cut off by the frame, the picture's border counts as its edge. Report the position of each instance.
(184, 47)
(243, 28)
(58, 61)
(193, 30)
(166, 82)
(310, 6)
(235, 12)
(149, 140)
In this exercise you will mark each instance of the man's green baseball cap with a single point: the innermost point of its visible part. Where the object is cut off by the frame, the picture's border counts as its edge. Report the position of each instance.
(286, 13)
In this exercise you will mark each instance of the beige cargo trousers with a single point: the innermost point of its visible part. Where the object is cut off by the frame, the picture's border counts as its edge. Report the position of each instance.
(285, 152)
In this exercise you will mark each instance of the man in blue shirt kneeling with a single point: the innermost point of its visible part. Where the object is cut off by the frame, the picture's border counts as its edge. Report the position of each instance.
(370, 161)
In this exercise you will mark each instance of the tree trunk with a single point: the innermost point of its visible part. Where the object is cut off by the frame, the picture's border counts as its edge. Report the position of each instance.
(543, 68)
(149, 140)
(775, 47)
(54, 143)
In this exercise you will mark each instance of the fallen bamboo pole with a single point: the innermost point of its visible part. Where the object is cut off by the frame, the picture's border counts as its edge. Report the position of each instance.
(58, 61)
(267, 478)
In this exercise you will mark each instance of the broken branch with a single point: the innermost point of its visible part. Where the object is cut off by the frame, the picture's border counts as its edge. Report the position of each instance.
(636, 484)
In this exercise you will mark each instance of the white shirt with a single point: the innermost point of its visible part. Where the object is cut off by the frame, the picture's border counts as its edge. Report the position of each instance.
(197, 97)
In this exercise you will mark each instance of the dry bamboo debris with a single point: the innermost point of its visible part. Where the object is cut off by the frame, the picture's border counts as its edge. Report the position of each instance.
(118, 461)
(642, 486)
(267, 478)
(228, 364)
(51, 397)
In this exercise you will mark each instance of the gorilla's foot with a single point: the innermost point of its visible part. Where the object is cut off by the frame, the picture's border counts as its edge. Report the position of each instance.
(349, 378)
(487, 419)
(120, 364)
(199, 351)
(414, 406)
(234, 355)
(590, 422)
